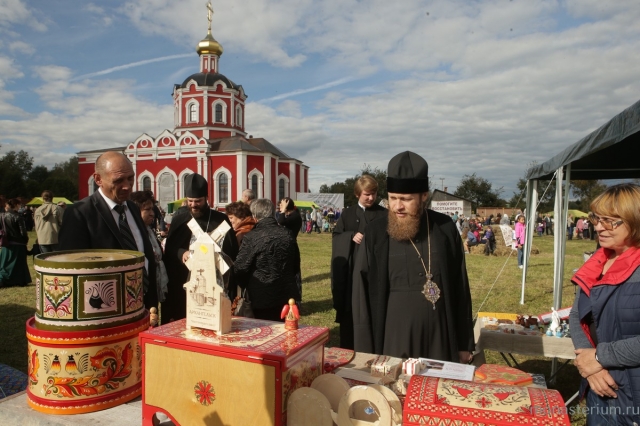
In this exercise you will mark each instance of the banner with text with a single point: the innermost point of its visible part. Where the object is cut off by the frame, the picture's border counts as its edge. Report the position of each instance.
(321, 199)
(447, 207)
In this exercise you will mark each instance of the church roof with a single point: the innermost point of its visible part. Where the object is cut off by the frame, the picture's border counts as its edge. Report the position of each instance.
(239, 143)
(208, 80)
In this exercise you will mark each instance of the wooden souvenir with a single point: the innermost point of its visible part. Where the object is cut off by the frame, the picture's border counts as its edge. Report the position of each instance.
(373, 408)
(208, 306)
(308, 407)
(290, 315)
(74, 372)
(394, 403)
(332, 387)
(244, 377)
(88, 289)
(432, 400)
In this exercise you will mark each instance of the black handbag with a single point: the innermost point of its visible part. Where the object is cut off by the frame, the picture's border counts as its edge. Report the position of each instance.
(243, 308)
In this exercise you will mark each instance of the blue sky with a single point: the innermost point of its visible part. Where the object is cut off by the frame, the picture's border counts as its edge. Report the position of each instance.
(482, 87)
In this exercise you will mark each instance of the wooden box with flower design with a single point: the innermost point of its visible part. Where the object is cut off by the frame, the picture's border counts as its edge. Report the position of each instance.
(243, 377)
(435, 401)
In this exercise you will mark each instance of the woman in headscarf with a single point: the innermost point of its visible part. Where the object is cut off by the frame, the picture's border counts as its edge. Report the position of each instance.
(13, 256)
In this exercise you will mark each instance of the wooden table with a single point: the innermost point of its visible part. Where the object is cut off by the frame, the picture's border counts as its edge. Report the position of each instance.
(533, 345)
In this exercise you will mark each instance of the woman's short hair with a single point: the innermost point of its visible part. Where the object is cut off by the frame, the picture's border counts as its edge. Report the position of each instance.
(365, 183)
(13, 203)
(262, 208)
(290, 204)
(141, 198)
(238, 209)
(623, 201)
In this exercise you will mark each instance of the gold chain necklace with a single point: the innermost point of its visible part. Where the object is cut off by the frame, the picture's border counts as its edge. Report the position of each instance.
(430, 290)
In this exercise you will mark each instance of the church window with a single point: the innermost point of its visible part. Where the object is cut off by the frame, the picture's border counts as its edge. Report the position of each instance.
(193, 113)
(254, 184)
(218, 113)
(239, 116)
(281, 193)
(146, 183)
(223, 188)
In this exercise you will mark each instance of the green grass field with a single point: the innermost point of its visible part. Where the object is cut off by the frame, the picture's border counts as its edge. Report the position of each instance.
(17, 304)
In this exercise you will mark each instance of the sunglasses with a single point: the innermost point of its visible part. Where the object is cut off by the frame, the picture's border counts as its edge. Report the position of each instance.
(607, 224)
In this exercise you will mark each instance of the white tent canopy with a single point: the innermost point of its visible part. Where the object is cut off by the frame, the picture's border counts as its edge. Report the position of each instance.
(610, 152)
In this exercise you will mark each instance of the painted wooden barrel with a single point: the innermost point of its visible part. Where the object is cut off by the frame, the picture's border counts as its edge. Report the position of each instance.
(88, 289)
(73, 372)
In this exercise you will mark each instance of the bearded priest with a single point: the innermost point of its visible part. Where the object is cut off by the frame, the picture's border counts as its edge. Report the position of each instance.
(411, 293)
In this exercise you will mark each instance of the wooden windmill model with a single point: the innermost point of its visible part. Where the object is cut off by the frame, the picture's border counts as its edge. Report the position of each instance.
(208, 306)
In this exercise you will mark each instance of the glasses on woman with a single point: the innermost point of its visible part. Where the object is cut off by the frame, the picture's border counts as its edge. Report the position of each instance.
(607, 224)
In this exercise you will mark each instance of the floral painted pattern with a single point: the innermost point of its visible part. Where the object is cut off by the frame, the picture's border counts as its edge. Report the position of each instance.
(205, 394)
(112, 366)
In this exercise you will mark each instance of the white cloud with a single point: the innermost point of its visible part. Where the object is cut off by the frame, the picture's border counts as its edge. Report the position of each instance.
(16, 12)
(259, 27)
(83, 116)
(21, 47)
(484, 86)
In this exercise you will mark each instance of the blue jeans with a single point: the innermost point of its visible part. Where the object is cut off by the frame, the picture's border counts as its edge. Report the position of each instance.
(601, 410)
(520, 256)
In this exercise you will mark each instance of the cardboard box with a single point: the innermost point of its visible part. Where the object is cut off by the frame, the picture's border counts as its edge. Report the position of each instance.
(243, 377)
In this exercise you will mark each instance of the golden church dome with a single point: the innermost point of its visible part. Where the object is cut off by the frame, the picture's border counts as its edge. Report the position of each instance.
(209, 45)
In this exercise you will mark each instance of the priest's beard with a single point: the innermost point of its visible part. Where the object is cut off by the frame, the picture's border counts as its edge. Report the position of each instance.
(403, 229)
(199, 211)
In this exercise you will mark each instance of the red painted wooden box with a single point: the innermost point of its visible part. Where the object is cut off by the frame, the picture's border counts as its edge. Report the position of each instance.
(435, 401)
(240, 378)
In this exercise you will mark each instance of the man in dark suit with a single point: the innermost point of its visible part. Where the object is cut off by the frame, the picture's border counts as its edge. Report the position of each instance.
(347, 236)
(177, 252)
(95, 221)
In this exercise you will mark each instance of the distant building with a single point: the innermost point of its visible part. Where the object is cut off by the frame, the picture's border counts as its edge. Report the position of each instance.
(208, 138)
(446, 203)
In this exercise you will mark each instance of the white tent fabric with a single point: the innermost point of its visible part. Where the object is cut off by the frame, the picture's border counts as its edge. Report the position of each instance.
(610, 152)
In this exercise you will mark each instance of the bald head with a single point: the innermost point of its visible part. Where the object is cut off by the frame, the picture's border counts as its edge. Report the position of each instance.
(104, 161)
(114, 175)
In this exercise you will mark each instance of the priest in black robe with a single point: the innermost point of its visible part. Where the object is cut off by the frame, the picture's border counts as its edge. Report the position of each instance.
(347, 236)
(178, 241)
(411, 294)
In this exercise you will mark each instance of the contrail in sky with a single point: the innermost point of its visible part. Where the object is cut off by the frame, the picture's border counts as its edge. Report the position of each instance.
(311, 89)
(132, 65)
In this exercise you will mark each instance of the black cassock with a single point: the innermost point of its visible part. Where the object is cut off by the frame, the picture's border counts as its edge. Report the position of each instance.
(352, 220)
(391, 314)
(175, 307)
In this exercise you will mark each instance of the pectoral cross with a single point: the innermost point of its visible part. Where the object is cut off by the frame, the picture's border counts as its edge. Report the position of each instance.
(431, 291)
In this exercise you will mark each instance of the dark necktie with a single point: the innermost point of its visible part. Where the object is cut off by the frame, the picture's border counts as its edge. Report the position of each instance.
(125, 231)
(129, 241)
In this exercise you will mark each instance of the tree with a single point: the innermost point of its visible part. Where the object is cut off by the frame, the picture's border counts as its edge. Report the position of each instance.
(67, 169)
(546, 200)
(587, 191)
(14, 169)
(479, 191)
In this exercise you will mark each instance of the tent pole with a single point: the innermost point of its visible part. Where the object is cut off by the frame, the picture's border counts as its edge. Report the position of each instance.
(557, 282)
(532, 201)
(559, 231)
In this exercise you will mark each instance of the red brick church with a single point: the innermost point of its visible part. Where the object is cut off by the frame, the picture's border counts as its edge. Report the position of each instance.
(208, 138)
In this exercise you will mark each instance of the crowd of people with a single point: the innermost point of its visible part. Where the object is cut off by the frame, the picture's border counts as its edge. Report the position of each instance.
(398, 274)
